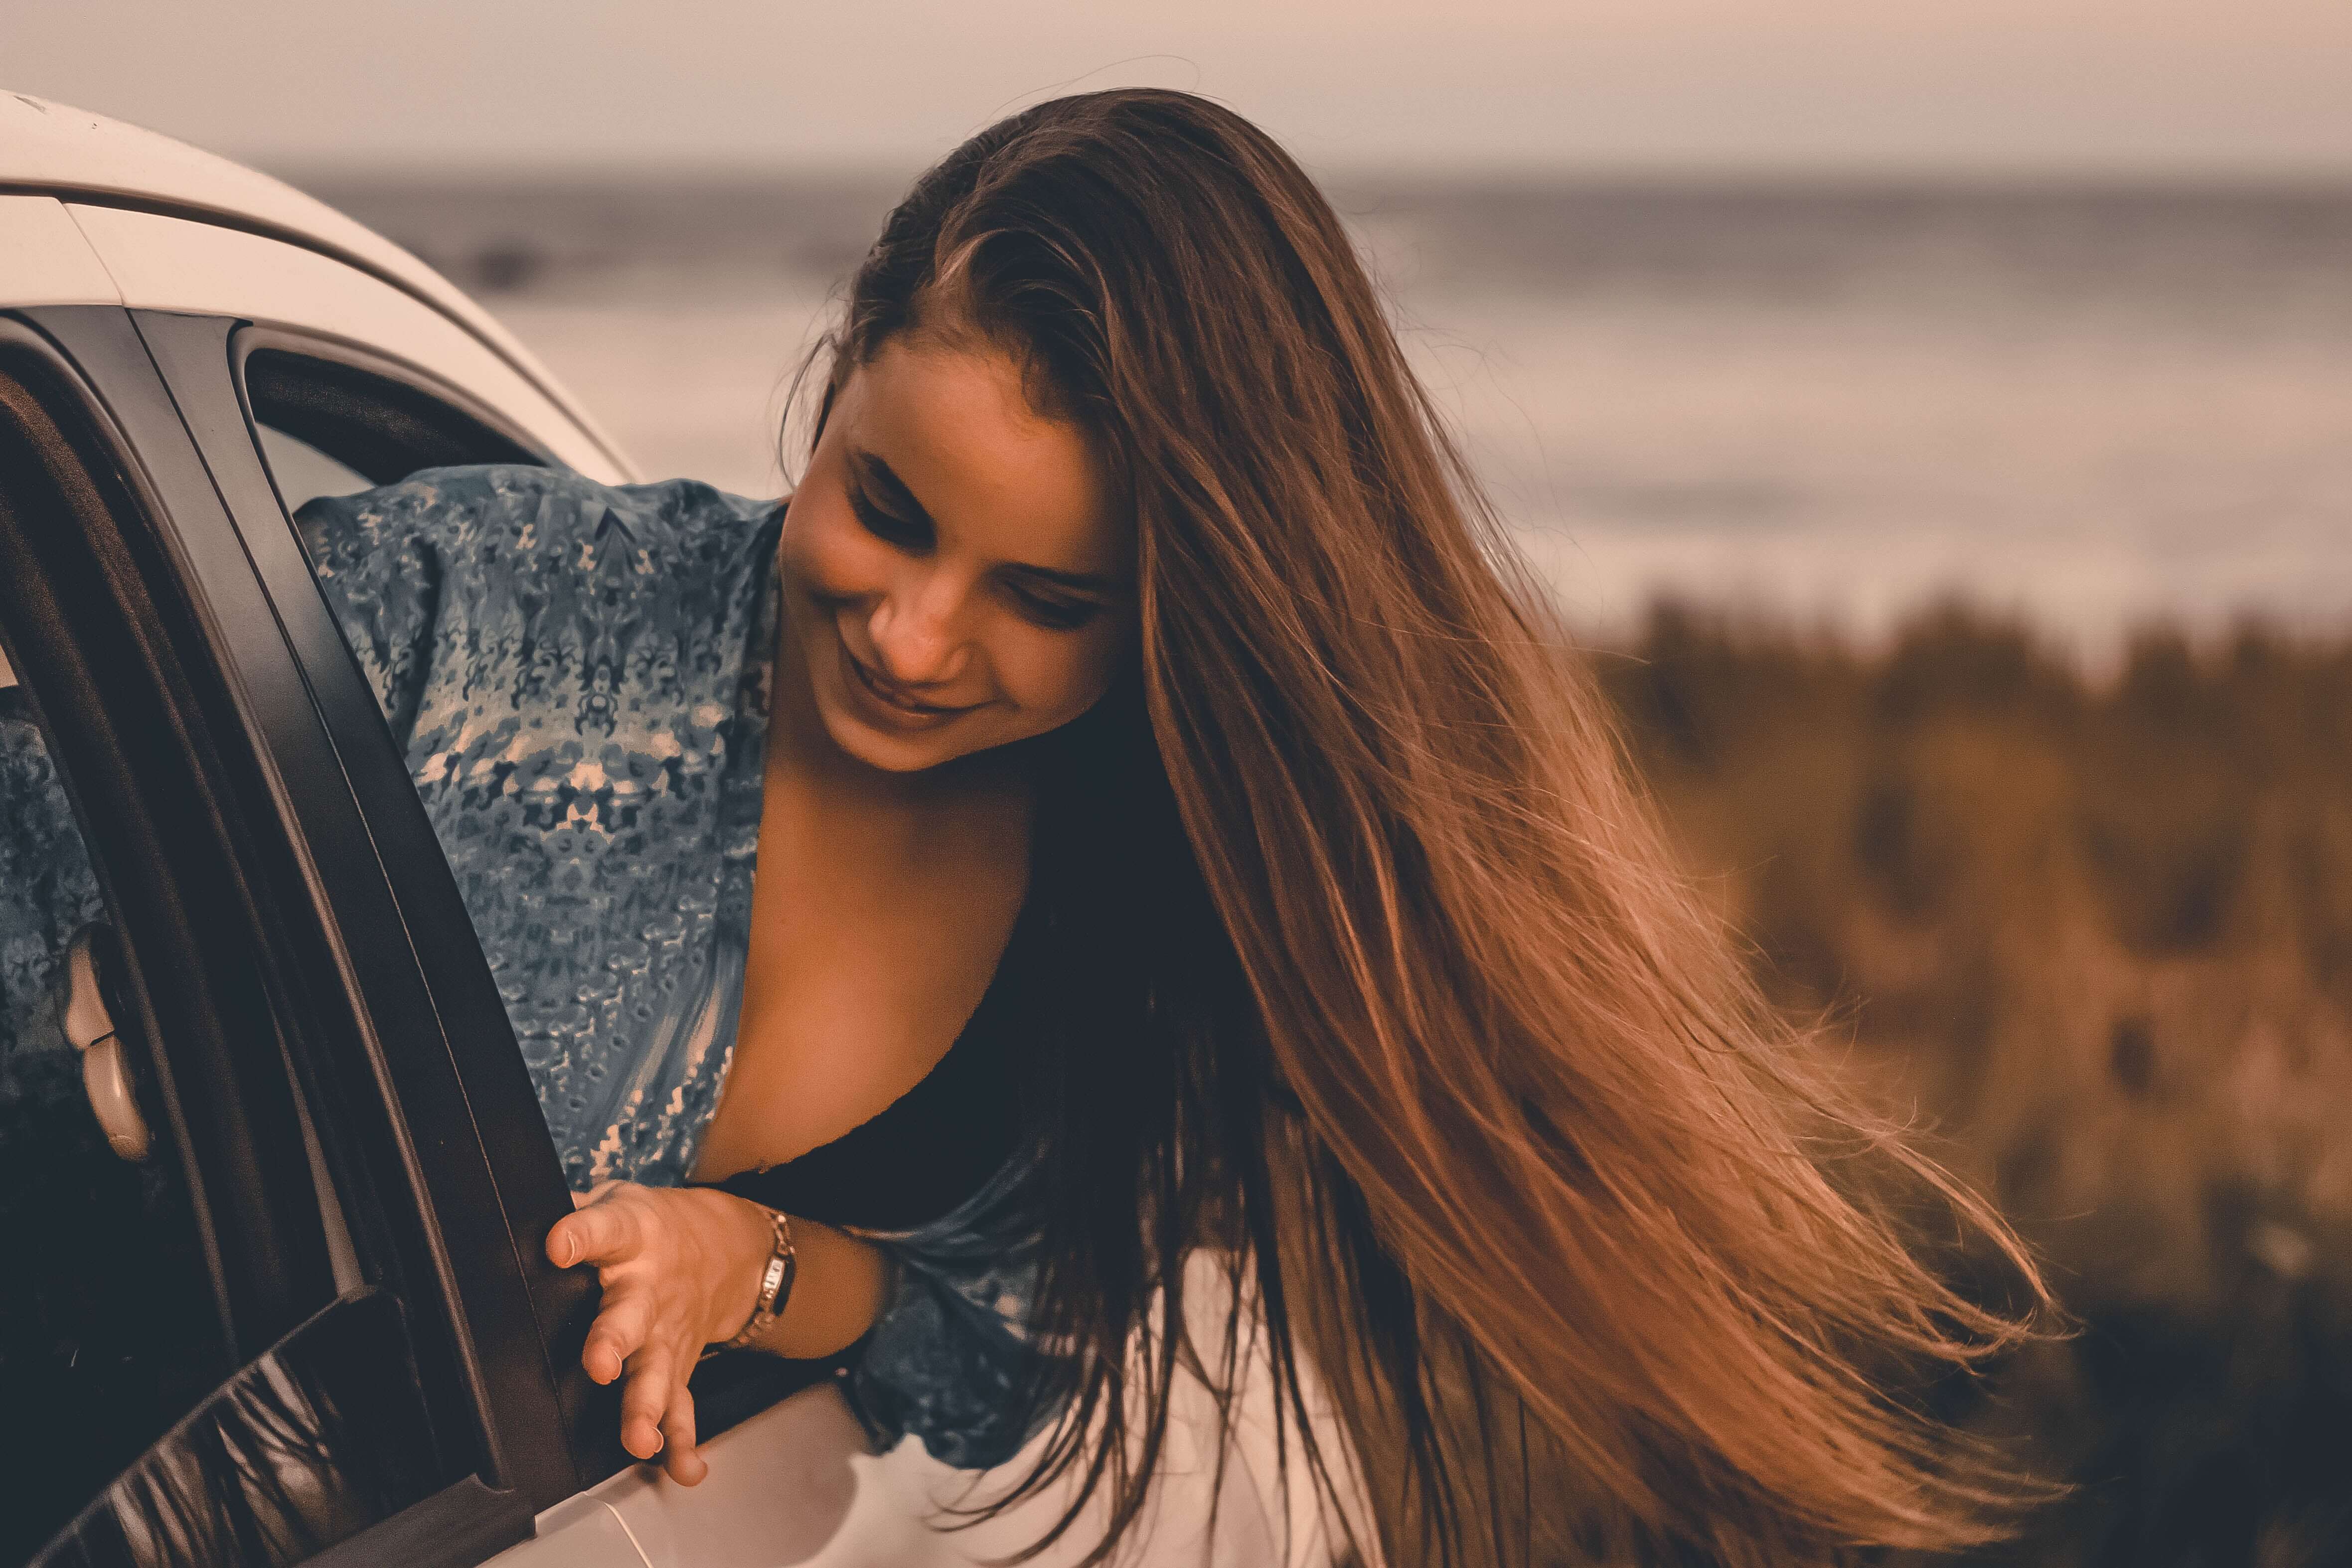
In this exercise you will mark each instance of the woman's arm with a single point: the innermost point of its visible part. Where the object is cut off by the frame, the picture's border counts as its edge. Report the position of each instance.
(680, 1268)
(951, 1359)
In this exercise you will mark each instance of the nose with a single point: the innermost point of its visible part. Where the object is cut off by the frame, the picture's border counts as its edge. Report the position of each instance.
(918, 630)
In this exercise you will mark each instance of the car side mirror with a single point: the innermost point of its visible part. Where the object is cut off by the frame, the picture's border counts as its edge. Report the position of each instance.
(105, 1067)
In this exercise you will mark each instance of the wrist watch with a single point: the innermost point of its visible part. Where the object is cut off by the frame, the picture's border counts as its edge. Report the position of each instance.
(775, 1284)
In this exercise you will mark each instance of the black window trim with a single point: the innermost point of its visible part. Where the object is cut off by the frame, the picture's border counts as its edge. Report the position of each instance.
(495, 1186)
(150, 720)
(308, 839)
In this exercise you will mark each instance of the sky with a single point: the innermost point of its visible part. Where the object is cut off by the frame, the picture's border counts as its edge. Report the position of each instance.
(2011, 87)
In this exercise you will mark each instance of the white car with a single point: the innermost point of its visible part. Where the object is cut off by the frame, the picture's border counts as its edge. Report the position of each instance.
(277, 1295)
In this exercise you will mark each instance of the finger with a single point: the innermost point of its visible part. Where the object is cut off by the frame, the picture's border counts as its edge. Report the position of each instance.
(644, 1399)
(618, 1333)
(602, 1233)
(684, 1465)
(597, 1192)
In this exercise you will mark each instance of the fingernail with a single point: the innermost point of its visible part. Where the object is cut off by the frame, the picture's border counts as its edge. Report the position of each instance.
(570, 1252)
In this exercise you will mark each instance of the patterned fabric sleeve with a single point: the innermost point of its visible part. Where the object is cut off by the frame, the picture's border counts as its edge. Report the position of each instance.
(382, 581)
(577, 674)
(48, 890)
(952, 1361)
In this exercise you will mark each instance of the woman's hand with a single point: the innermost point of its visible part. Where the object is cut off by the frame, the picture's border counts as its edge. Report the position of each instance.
(680, 1267)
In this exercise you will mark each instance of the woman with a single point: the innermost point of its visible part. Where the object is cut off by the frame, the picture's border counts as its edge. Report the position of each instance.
(1146, 734)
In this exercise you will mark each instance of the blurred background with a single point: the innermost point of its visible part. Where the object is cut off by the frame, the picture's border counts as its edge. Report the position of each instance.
(1936, 421)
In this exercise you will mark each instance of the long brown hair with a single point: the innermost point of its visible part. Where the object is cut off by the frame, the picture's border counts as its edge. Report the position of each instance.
(1382, 983)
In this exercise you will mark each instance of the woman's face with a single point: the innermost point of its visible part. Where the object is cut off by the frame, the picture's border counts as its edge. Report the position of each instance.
(954, 577)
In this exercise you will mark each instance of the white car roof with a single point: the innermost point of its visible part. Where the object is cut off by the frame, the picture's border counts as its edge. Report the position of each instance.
(50, 149)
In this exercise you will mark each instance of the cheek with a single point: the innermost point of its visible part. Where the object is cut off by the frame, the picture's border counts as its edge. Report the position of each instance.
(1054, 677)
(826, 551)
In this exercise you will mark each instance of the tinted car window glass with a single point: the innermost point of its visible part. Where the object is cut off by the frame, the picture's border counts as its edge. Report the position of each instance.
(109, 1331)
(301, 471)
(373, 425)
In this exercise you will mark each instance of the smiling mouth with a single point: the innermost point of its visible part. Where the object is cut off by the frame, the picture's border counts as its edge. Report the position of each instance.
(892, 697)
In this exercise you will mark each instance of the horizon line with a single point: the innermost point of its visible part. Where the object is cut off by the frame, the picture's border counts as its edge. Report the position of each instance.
(1595, 173)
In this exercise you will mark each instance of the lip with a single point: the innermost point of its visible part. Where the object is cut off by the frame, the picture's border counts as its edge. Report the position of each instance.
(886, 701)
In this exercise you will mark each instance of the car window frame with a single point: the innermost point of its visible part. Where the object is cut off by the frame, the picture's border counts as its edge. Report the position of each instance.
(61, 679)
(460, 421)
(116, 635)
(501, 1104)
(102, 653)
(434, 1030)
(304, 839)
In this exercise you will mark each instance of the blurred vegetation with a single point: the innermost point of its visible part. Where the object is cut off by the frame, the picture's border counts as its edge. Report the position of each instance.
(2097, 935)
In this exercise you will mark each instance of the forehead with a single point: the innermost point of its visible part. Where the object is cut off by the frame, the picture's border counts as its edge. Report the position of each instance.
(956, 427)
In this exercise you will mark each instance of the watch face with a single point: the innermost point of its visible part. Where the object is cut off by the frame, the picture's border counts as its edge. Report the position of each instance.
(792, 1268)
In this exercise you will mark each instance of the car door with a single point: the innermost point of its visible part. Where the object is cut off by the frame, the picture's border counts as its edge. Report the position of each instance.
(269, 1299)
(434, 1175)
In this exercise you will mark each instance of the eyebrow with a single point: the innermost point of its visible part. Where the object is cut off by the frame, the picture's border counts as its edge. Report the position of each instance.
(879, 475)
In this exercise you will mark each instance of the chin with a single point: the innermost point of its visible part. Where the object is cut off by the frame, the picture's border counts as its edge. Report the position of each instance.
(878, 748)
(890, 753)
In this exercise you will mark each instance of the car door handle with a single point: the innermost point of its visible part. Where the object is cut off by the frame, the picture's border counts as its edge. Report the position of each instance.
(105, 1070)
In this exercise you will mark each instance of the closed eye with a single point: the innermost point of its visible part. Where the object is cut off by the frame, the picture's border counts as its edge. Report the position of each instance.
(887, 526)
(1051, 611)
(1055, 600)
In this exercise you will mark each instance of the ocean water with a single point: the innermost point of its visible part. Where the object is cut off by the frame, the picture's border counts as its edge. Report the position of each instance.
(2093, 408)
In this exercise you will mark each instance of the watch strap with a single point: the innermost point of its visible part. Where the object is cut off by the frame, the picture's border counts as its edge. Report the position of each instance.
(775, 1284)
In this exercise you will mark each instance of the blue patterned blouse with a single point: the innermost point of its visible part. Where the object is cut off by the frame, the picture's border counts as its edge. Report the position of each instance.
(578, 675)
